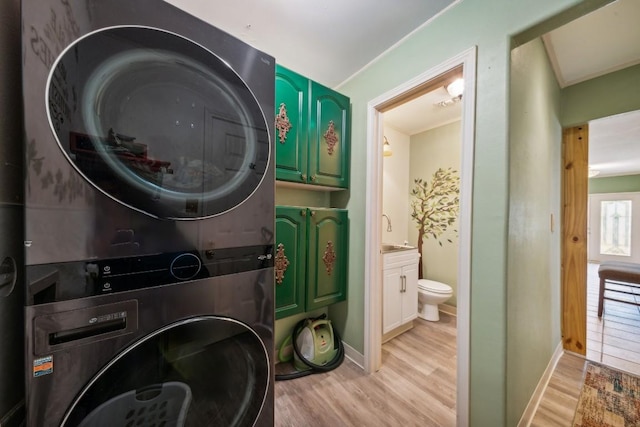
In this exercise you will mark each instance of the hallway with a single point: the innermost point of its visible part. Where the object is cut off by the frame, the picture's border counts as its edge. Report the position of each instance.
(614, 339)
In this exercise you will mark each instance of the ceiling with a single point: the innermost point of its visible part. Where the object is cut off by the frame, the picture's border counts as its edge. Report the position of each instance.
(328, 41)
(601, 42)
(324, 44)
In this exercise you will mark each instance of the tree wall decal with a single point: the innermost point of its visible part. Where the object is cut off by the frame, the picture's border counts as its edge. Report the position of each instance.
(435, 206)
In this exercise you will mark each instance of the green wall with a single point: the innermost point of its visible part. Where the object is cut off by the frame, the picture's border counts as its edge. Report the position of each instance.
(611, 94)
(533, 260)
(615, 184)
(430, 150)
(488, 25)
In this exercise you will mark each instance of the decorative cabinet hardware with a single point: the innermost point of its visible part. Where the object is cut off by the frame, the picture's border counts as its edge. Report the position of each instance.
(281, 264)
(317, 252)
(330, 138)
(329, 257)
(315, 122)
(283, 125)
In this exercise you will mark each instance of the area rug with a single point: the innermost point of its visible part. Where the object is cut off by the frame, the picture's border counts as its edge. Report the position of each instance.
(609, 398)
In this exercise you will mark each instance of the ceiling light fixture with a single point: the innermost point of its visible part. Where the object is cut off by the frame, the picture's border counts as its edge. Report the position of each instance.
(387, 148)
(456, 88)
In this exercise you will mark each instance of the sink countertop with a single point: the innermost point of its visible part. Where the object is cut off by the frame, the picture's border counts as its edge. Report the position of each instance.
(389, 247)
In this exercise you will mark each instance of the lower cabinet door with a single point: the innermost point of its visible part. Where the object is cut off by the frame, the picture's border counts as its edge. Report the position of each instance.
(410, 295)
(311, 258)
(391, 299)
(328, 257)
(290, 260)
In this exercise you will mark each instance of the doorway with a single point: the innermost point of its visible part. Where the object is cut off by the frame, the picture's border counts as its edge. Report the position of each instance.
(466, 63)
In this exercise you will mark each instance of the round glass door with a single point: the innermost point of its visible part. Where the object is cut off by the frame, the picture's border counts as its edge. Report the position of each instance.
(206, 371)
(157, 122)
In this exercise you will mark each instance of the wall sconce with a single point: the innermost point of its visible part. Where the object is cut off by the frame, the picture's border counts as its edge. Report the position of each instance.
(386, 150)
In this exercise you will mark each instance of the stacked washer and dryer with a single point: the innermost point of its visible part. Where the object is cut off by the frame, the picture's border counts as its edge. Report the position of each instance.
(149, 218)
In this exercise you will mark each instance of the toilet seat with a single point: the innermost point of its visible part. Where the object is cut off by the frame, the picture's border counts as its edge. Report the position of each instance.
(433, 286)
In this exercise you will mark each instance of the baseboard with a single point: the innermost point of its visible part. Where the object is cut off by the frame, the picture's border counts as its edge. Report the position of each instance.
(354, 355)
(397, 331)
(449, 309)
(536, 397)
(15, 417)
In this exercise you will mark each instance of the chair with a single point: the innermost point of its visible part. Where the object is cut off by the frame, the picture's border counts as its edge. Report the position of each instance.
(617, 272)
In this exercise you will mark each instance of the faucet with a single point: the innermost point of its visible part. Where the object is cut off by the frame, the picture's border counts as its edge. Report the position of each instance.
(388, 222)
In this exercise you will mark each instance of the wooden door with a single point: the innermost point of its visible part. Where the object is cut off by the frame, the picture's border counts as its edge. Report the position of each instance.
(575, 143)
(291, 126)
(329, 137)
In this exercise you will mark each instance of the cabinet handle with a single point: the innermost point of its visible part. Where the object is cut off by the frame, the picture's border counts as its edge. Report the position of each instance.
(303, 177)
(404, 283)
(313, 213)
(313, 177)
(303, 212)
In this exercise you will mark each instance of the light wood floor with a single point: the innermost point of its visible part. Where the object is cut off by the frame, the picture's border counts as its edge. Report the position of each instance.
(416, 385)
(614, 339)
(420, 366)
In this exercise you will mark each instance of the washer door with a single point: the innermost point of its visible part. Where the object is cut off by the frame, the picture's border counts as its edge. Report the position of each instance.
(157, 122)
(205, 371)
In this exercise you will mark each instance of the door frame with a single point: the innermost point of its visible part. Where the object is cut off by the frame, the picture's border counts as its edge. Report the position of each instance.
(575, 192)
(373, 239)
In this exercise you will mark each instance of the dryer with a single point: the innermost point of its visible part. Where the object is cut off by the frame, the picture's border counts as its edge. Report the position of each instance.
(149, 217)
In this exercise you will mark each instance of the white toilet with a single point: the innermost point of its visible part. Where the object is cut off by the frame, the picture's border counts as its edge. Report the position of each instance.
(430, 294)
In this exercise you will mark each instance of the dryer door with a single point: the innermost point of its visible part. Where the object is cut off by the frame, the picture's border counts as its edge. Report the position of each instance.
(157, 122)
(205, 371)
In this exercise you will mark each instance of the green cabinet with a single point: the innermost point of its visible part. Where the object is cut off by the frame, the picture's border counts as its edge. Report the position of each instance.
(311, 258)
(312, 132)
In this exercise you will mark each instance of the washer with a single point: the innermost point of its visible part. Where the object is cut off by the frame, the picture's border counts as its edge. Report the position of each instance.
(149, 218)
(107, 360)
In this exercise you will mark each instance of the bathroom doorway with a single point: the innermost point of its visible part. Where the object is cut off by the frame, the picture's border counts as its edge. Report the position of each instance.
(441, 75)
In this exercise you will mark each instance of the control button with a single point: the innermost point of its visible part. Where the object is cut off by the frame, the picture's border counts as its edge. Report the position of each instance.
(185, 266)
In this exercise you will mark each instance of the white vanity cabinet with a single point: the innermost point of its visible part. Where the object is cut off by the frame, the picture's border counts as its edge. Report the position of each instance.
(400, 288)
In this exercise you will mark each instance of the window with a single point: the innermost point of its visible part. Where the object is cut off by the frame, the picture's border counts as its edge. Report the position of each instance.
(615, 230)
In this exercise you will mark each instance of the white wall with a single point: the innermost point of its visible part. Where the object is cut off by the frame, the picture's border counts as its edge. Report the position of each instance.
(395, 188)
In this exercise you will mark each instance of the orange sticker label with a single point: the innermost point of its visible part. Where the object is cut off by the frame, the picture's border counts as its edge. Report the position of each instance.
(43, 366)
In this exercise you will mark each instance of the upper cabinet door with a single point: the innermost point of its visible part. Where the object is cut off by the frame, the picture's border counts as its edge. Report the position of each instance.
(291, 125)
(328, 257)
(329, 138)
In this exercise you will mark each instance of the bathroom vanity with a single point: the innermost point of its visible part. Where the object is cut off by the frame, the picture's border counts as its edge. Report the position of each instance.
(399, 289)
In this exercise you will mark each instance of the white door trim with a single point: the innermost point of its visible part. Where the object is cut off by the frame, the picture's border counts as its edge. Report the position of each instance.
(373, 240)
